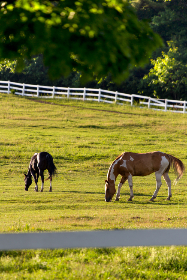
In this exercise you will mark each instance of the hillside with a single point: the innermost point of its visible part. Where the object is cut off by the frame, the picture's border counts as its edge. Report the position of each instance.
(84, 138)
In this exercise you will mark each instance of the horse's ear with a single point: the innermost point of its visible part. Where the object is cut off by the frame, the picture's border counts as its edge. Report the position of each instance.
(106, 181)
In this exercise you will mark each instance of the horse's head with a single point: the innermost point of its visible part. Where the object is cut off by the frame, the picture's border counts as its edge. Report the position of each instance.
(109, 190)
(28, 181)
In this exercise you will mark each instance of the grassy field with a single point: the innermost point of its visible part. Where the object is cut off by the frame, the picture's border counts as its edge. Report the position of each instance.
(84, 138)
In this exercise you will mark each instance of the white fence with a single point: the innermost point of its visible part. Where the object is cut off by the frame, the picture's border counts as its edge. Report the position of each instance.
(98, 95)
(93, 239)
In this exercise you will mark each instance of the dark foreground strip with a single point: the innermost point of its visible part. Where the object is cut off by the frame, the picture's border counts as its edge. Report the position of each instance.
(93, 239)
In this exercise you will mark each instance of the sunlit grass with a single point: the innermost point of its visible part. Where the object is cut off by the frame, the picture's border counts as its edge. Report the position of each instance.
(125, 263)
(84, 138)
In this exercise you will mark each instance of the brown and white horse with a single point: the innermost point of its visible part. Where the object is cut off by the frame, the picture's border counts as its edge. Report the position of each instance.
(133, 164)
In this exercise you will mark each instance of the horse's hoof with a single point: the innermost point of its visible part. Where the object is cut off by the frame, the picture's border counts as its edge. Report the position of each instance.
(117, 199)
(36, 190)
(41, 190)
(130, 199)
(152, 199)
(168, 198)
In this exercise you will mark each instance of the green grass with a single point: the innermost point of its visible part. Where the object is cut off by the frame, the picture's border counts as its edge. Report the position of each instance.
(124, 263)
(84, 138)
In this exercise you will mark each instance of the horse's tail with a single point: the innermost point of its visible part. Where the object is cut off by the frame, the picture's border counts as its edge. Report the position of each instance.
(52, 167)
(177, 165)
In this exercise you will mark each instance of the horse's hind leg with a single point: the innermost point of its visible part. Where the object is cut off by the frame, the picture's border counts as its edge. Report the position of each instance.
(122, 181)
(36, 181)
(158, 185)
(42, 178)
(168, 182)
(50, 189)
(131, 187)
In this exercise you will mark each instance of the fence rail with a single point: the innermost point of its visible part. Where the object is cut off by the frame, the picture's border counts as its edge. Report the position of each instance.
(98, 95)
(93, 239)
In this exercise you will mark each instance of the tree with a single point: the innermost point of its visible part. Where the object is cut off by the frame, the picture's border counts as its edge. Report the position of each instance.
(168, 77)
(171, 23)
(34, 72)
(93, 37)
(147, 9)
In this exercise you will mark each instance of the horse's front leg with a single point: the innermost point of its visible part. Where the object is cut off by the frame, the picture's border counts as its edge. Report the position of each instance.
(35, 180)
(131, 187)
(122, 181)
(37, 173)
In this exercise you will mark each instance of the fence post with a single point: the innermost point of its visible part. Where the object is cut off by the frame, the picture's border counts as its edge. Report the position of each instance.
(8, 87)
(99, 95)
(149, 102)
(23, 90)
(166, 103)
(116, 96)
(53, 93)
(68, 93)
(38, 91)
(184, 108)
(132, 97)
(84, 94)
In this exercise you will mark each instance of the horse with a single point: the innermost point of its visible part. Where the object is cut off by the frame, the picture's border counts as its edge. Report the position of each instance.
(38, 163)
(134, 164)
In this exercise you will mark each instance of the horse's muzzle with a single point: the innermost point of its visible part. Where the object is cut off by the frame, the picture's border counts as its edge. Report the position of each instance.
(26, 189)
(108, 199)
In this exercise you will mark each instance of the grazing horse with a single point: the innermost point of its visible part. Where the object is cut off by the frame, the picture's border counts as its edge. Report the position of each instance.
(132, 164)
(39, 162)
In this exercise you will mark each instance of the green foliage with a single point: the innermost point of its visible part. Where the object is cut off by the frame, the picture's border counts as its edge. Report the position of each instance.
(7, 69)
(168, 78)
(34, 72)
(171, 22)
(165, 74)
(97, 37)
(146, 9)
(130, 85)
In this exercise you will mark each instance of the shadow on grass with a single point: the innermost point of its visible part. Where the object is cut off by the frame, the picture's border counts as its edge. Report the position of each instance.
(160, 200)
(83, 192)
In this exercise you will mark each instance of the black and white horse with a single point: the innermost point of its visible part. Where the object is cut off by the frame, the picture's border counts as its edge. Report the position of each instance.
(39, 162)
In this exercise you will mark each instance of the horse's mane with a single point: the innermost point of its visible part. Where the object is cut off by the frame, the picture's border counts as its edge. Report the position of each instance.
(119, 156)
(114, 162)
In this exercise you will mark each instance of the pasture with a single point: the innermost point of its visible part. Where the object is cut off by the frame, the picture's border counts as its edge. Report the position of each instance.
(84, 138)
